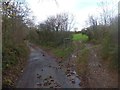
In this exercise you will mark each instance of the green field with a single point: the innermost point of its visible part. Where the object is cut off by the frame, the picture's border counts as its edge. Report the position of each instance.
(80, 37)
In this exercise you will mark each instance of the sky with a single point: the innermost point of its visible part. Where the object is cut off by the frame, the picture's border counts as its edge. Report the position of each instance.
(80, 9)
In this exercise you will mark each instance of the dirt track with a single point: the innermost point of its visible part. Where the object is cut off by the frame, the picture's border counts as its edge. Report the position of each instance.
(98, 74)
(43, 71)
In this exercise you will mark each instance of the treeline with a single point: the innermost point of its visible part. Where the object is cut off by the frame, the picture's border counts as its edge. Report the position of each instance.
(105, 33)
(14, 32)
(53, 31)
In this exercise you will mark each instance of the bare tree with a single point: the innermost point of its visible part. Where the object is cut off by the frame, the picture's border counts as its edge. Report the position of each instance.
(14, 13)
(55, 29)
(60, 22)
(92, 21)
(65, 21)
(107, 13)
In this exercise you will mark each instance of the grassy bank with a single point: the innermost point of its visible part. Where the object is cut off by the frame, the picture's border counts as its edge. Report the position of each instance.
(106, 36)
(13, 61)
(63, 52)
(82, 58)
(82, 54)
(60, 51)
(82, 62)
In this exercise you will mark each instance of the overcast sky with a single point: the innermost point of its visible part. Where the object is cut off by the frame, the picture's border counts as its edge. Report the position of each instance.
(81, 9)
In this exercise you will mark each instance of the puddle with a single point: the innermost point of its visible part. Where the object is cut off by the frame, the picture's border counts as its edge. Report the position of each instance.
(71, 73)
(48, 82)
(36, 58)
(73, 77)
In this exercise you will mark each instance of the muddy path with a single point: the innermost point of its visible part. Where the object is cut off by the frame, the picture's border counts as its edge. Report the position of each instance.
(45, 71)
(98, 74)
(42, 71)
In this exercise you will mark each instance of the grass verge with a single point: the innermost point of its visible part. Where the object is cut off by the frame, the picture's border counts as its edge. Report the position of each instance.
(14, 60)
(59, 52)
(82, 62)
(62, 52)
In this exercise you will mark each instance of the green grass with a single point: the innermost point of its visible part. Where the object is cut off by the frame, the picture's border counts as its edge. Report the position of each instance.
(63, 52)
(60, 51)
(80, 37)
